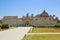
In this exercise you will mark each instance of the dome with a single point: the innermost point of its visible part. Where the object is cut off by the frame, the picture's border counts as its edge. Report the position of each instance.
(44, 14)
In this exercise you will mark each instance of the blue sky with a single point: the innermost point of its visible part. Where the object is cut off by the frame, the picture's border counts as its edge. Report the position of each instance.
(21, 7)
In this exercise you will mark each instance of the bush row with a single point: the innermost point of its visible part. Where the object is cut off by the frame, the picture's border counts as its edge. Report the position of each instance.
(55, 26)
(4, 26)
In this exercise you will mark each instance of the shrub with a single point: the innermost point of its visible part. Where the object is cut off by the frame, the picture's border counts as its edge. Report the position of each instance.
(57, 26)
(5, 26)
(34, 26)
(0, 25)
(17, 25)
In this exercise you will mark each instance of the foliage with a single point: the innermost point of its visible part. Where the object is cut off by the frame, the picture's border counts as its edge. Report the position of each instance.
(41, 26)
(58, 21)
(33, 26)
(0, 25)
(27, 23)
(17, 25)
(5, 26)
(57, 26)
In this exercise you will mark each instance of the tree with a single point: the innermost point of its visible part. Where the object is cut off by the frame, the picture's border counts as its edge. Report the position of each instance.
(27, 23)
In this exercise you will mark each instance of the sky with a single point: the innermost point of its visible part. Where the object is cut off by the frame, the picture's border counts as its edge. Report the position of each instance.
(22, 7)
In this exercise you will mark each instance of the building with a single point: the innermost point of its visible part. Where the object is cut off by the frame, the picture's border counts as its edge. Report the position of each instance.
(12, 20)
(42, 19)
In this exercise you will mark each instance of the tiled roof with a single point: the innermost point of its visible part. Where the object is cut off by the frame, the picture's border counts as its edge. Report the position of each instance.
(10, 17)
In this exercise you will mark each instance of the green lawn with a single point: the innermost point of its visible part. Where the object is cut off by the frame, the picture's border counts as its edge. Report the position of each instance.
(42, 37)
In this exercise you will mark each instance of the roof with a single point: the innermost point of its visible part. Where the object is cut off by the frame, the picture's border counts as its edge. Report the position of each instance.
(44, 14)
(10, 17)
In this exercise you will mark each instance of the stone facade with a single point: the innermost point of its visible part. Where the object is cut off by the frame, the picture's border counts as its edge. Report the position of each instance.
(12, 20)
(40, 19)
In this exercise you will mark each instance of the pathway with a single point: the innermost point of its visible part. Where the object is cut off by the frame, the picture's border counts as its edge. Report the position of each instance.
(14, 34)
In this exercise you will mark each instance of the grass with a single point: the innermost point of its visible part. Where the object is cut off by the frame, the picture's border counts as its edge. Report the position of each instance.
(42, 37)
(44, 30)
(12, 27)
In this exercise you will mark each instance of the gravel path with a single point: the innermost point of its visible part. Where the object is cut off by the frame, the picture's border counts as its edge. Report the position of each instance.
(14, 34)
(41, 33)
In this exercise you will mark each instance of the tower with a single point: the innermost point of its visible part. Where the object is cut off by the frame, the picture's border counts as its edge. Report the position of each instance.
(27, 15)
(32, 16)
